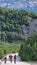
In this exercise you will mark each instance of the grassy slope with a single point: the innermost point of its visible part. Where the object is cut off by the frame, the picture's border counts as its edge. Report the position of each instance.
(10, 48)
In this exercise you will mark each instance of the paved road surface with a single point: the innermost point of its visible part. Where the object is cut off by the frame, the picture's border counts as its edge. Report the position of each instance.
(19, 62)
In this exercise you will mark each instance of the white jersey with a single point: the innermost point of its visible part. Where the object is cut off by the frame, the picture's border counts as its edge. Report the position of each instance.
(0, 62)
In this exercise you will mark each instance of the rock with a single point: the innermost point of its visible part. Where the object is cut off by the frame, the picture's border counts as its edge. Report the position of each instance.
(31, 29)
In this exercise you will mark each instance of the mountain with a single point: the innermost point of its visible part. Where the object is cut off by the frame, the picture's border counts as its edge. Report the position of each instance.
(30, 5)
(17, 24)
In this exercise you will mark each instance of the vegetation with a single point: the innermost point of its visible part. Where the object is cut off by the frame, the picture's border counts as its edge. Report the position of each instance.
(11, 23)
(1, 53)
(28, 50)
(7, 48)
(11, 33)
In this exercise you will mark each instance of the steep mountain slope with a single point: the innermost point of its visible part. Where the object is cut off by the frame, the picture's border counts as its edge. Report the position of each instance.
(29, 30)
(30, 5)
(16, 25)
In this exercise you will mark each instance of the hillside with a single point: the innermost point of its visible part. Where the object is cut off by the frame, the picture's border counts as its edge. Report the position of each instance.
(17, 24)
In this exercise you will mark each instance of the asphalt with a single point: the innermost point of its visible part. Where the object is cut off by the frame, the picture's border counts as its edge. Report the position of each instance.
(18, 61)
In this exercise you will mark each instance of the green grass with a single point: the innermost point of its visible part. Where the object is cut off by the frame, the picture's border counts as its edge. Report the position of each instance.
(10, 47)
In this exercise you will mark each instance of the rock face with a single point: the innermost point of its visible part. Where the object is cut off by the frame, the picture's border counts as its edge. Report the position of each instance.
(31, 29)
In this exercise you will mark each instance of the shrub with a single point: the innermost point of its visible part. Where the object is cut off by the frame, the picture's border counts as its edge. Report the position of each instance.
(28, 50)
(4, 51)
(1, 53)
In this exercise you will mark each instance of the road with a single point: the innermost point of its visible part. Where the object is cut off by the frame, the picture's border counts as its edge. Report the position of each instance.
(19, 62)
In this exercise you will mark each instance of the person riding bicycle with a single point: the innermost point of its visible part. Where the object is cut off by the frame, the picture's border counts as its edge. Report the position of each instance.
(15, 58)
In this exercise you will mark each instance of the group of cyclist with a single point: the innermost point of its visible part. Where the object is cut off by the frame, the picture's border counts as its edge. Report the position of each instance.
(10, 58)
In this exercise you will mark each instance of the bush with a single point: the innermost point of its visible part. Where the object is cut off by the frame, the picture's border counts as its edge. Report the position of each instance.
(1, 53)
(4, 51)
(28, 50)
